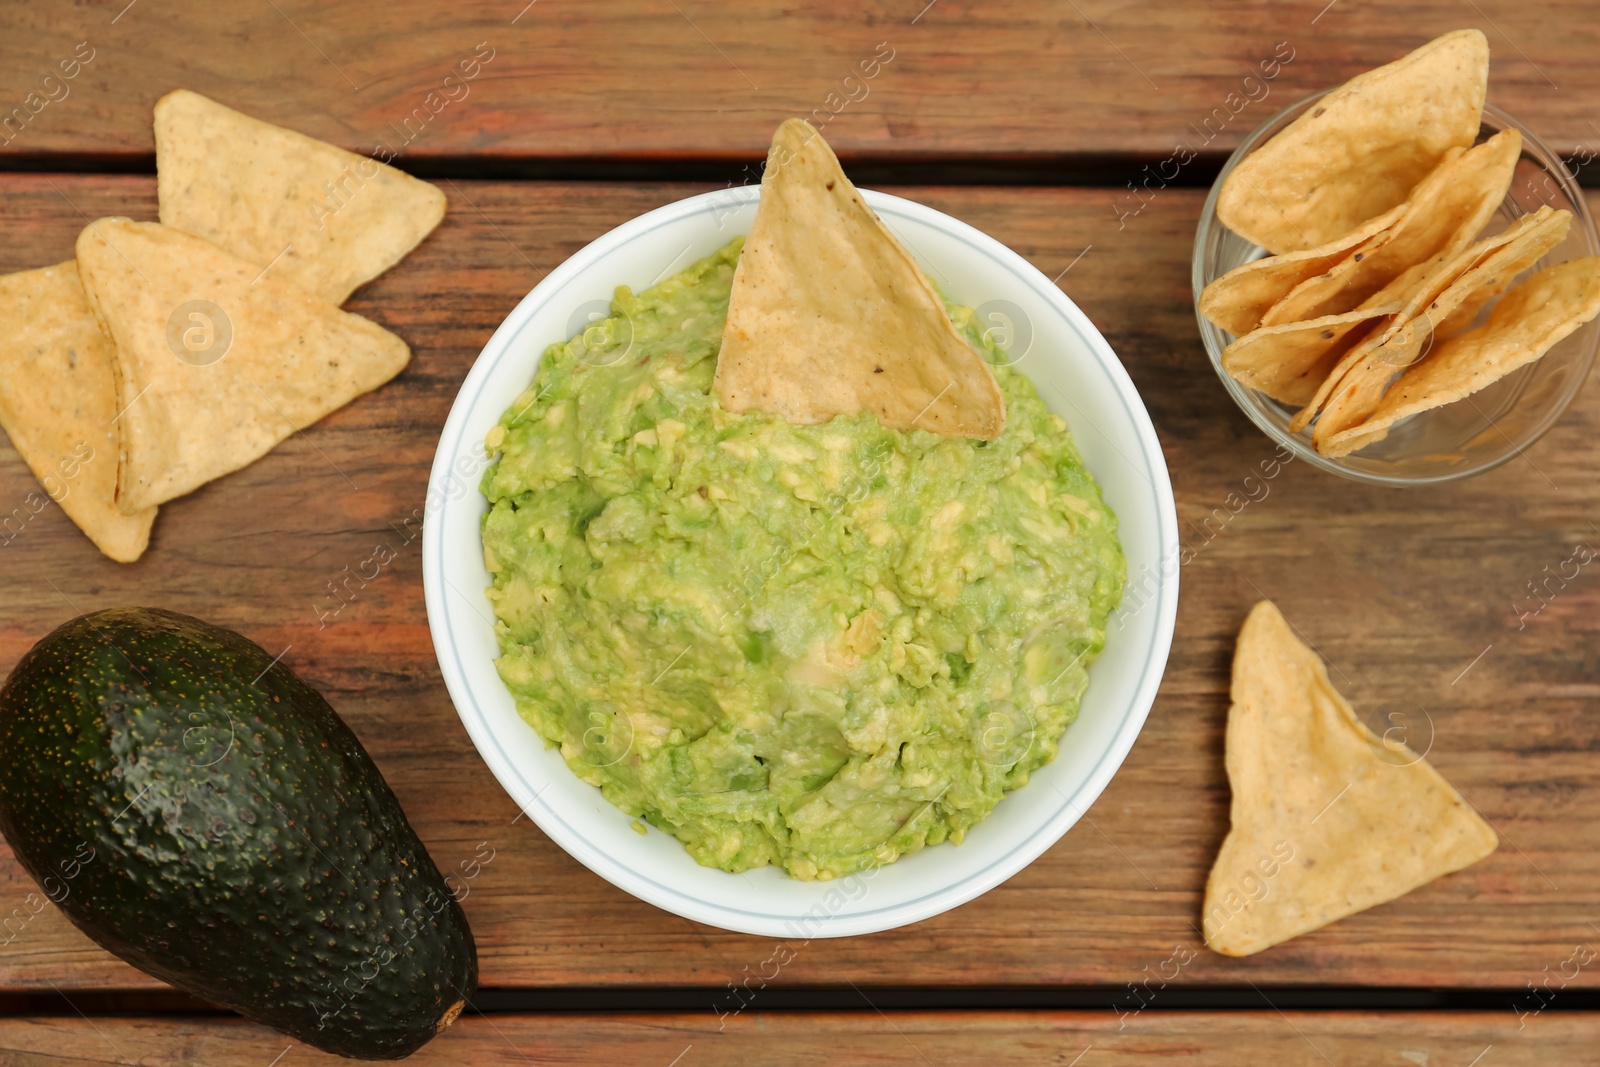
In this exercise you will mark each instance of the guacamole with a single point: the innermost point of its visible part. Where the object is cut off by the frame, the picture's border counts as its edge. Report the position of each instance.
(820, 647)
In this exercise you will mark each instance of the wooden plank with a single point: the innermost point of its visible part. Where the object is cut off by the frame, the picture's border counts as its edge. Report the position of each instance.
(644, 79)
(1402, 591)
(1094, 1039)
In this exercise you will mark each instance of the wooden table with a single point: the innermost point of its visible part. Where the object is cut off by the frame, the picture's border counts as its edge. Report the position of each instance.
(1029, 120)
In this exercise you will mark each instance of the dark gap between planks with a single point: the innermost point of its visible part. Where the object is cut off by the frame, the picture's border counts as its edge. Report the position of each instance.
(1116, 170)
(1107, 170)
(577, 1000)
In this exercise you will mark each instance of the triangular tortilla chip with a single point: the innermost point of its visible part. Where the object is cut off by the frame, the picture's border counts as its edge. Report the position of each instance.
(1321, 293)
(1532, 319)
(1237, 301)
(1424, 284)
(1445, 212)
(830, 315)
(323, 218)
(216, 361)
(1328, 819)
(1361, 149)
(58, 403)
(1459, 306)
(1288, 362)
(1357, 394)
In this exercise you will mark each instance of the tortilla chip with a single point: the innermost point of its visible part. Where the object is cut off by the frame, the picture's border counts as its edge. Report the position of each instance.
(1361, 149)
(58, 403)
(216, 360)
(1362, 387)
(1322, 294)
(1458, 308)
(1328, 819)
(1406, 285)
(830, 315)
(1532, 319)
(1445, 212)
(1237, 301)
(1423, 284)
(323, 218)
(1288, 362)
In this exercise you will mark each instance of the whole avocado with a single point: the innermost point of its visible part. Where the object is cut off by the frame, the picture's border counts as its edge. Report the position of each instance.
(201, 812)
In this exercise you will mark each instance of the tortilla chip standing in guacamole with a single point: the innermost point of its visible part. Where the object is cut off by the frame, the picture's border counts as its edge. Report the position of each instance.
(830, 315)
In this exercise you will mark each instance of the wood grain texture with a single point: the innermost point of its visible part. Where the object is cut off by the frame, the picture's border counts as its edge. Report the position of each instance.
(674, 78)
(1400, 590)
(915, 1039)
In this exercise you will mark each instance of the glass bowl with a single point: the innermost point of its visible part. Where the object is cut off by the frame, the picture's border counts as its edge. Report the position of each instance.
(1457, 440)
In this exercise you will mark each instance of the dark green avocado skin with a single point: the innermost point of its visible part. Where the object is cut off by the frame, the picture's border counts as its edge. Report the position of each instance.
(204, 814)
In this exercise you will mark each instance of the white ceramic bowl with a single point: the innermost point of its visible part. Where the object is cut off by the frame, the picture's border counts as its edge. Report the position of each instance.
(1081, 379)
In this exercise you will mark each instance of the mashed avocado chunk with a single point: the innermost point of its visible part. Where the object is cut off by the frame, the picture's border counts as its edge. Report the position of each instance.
(820, 647)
